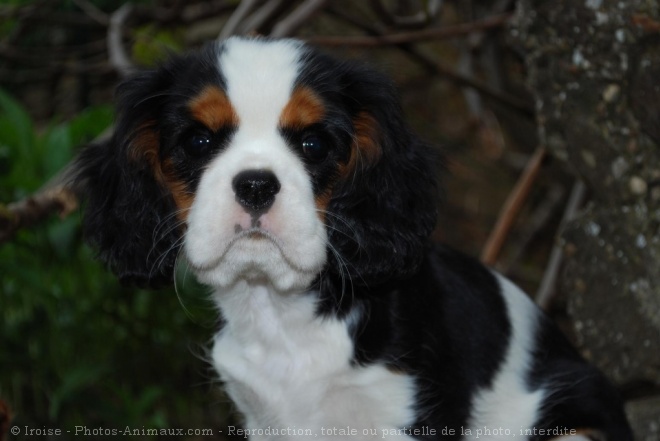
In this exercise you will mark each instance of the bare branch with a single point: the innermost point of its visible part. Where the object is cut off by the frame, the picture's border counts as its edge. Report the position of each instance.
(466, 69)
(198, 11)
(381, 11)
(432, 66)
(537, 221)
(119, 59)
(41, 14)
(36, 208)
(460, 30)
(42, 74)
(546, 291)
(297, 18)
(261, 16)
(511, 208)
(234, 22)
(418, 20)
(460, 80)
(433, 7)
(60, 195)
(93, 12)
(37, 55)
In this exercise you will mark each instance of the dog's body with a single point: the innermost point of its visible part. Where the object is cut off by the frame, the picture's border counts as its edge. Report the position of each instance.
(300, 196)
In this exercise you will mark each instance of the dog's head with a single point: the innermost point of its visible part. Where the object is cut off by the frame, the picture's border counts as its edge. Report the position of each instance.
(261, 159)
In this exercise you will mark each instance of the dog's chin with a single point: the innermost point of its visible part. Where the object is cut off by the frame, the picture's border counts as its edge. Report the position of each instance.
(256, 257)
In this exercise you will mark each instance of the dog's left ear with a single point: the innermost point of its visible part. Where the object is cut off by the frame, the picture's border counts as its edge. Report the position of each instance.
(130, 216)
(387, 196)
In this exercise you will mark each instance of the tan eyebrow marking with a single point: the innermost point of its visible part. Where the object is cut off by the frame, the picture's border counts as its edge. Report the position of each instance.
(212, 108)
(304, 109)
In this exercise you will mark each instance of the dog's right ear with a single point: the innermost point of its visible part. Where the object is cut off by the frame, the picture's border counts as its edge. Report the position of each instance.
(130, 215)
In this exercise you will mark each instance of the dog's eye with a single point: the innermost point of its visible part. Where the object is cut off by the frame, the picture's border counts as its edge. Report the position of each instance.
(197, 144)
(314, 148)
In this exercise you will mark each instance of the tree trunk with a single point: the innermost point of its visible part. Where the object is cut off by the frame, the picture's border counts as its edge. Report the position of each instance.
(594, 69)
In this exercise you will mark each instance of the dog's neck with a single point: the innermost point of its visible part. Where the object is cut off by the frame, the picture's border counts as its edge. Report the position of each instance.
(255, 311)
(283, 363)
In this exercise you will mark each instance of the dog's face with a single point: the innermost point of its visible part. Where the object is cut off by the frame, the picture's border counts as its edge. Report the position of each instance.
(261, 159)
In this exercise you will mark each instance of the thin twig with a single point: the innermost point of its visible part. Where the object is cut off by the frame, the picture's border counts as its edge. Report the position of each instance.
(511, 208)
(119, 59)
(199, 11)
(93, 12)
(536, 222)
(420, 19)
(39, 55)
(466, 69)
(235, 20)
(461, 80)
(546, 291)
(460, 30)
(423, 60)
(42, 74)
(55, 18)
(290, 24)
(60, 195)
(180, 13)
(437, 68)
(381, 11)
(261, 16)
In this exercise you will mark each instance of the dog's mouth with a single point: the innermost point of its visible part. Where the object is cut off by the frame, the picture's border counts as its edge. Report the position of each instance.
(255, 233)
(256, 254)
(252, 243)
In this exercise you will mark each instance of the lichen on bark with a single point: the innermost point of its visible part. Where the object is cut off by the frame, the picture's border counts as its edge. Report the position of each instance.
(594, 69)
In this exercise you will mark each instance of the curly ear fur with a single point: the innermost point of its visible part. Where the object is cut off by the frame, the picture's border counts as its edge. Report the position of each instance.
(129, 216)
(389, 205)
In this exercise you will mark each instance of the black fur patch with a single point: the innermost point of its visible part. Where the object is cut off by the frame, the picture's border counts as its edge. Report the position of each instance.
(129, 217)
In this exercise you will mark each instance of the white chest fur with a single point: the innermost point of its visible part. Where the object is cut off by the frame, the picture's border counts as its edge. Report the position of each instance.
(287, 369)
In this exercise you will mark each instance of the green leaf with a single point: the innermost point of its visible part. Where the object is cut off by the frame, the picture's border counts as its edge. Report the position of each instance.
(62, 236)
(76, 379)
(57, 149)
(89, 124)
(17, 127)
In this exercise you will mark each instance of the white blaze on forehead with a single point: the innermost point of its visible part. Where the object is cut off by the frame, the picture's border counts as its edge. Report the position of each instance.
(260, 76)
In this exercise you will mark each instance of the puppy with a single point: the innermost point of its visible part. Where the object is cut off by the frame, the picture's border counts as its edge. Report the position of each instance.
(295, 190)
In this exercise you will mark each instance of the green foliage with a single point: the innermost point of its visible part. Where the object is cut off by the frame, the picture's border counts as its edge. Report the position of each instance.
(28, 159)
(153, 44)
(77, 348)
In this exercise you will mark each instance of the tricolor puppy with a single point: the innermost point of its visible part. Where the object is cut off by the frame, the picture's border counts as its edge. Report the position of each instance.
(293, 187)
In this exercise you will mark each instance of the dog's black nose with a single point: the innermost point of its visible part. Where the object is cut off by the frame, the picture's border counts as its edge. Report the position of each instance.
(255, 190)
